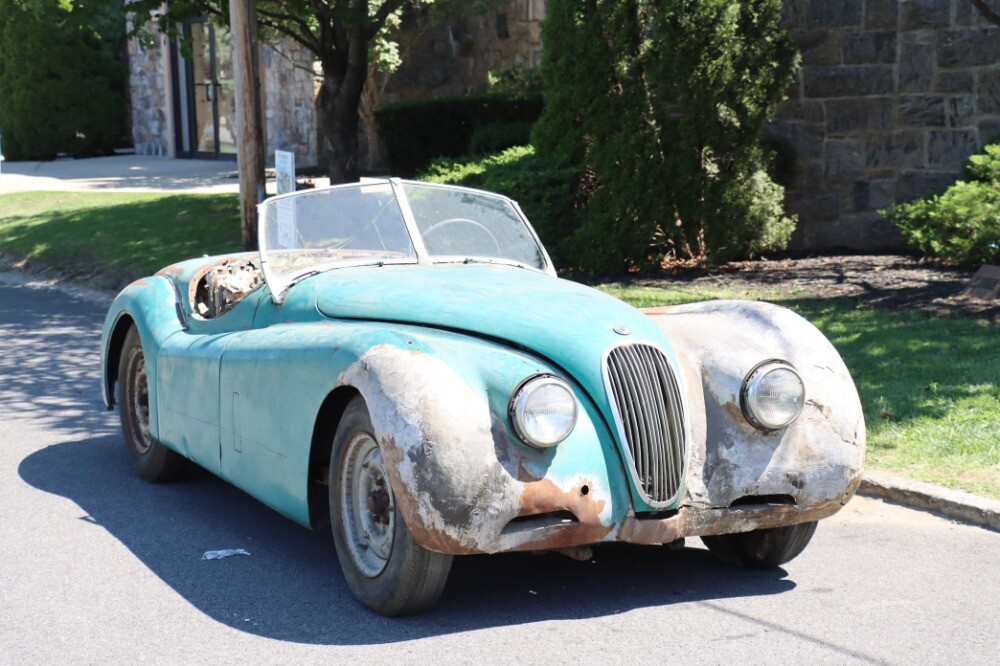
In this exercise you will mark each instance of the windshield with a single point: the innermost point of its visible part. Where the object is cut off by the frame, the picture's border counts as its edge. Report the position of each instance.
(311, 231)
(383, 222)
(457, 224)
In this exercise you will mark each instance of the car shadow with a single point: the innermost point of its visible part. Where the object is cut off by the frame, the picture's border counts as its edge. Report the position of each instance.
(291, 587)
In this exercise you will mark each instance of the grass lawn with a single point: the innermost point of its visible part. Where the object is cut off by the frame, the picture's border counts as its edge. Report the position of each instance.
(930, 386)
(112, 238)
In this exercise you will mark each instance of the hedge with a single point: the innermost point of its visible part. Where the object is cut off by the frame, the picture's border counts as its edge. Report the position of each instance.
(415, 133)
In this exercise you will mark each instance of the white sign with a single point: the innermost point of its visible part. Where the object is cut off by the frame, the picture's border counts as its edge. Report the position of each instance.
(284, 171)
(285, 209)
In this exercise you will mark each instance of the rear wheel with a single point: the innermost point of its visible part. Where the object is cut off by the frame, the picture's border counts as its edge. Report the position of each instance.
(762, 548)
(384, 567)
(151, 460)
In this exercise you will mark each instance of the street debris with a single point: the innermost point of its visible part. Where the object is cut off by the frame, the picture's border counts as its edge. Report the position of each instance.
(222, 554)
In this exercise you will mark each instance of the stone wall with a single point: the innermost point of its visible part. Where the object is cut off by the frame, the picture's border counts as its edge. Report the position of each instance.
(892, 98)
(288, 96)
(150, 102)
(453, 57)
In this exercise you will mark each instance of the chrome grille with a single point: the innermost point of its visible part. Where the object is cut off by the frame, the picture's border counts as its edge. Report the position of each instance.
(650, 418)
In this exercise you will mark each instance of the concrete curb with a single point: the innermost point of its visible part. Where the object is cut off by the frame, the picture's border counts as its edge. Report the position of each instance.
(919, 495)
(21, 278)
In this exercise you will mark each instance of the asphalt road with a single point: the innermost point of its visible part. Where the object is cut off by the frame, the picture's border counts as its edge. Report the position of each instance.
(99, 567)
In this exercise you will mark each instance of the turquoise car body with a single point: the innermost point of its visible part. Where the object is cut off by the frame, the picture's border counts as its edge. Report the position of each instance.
(437, 351)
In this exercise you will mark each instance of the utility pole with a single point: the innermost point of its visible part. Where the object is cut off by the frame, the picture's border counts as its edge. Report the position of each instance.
(249, 127)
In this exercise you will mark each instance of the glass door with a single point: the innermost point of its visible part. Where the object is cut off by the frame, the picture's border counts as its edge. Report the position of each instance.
(205, 104)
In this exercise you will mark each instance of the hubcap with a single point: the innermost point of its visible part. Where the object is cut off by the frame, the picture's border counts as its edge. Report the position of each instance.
(367, 505)
(140, 405)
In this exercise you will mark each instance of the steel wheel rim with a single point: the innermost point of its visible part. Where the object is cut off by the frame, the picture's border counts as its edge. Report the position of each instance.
(367, 505)
(140, 404)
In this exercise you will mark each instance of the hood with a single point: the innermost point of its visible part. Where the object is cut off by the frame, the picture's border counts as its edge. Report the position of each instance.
(565, 322)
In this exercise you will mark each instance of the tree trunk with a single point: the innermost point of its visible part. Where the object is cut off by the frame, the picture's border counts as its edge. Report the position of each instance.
(337, 112)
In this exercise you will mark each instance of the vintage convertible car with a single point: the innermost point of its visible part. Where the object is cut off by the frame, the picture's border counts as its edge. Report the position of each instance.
(401, 361)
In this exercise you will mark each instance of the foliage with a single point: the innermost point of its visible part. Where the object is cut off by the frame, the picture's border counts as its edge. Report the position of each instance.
(544, 189)
(661, 103)
(929, 386)
(961, 225)
(61, 79)
(498, 137)
(414, 133)
(514, 80)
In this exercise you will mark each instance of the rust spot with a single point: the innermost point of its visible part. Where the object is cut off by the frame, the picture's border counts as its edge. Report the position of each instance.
(544, 496)
(658, 310)
(142, 282)
(692, 521)
(173, 270)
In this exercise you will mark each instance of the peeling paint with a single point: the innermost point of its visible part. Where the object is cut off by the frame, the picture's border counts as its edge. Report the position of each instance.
(815, 459)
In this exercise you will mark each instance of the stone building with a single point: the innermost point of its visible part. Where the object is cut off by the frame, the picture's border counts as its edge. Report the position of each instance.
(892, 98)
(183, 104)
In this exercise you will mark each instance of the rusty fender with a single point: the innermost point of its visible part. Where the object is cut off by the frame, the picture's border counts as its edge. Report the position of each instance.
(817, 460)
(447, 458)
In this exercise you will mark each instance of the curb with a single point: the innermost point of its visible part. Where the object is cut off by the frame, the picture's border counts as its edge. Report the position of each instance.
(20, 278)
(919, 495)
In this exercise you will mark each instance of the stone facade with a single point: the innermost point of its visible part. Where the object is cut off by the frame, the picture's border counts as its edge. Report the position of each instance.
(453, 57)
(149, 85)
(289, 87)
(892, 98)
(288, 93)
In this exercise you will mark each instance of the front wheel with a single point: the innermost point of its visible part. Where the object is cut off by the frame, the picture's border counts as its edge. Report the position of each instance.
(151, 460)
(384, 567)
(764, 548)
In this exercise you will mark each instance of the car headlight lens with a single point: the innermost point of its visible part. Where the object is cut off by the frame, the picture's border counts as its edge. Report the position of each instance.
(543, 411)
(772, 395)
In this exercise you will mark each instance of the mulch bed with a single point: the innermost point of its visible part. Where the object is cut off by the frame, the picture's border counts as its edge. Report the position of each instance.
(890, 282)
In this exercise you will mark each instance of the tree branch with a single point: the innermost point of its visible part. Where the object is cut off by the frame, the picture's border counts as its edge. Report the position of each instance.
(306, 37)
(381, 15)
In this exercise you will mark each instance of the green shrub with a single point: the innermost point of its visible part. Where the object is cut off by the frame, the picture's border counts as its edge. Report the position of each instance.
(661, 104)
(414, 133)
(545, 189)
(961, 225)
(61, 83)
(499, 137)
(514, 80)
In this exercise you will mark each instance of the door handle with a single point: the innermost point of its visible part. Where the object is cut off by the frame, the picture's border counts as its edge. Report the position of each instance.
(209, 91)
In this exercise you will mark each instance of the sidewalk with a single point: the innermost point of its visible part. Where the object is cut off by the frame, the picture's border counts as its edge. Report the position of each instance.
(124, 173)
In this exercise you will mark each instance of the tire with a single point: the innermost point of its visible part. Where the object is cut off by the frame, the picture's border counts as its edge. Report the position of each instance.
(384, 567)
(762, 549)
(150, 459)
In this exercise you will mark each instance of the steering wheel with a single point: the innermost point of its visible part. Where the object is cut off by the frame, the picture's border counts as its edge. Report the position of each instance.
(437, 226)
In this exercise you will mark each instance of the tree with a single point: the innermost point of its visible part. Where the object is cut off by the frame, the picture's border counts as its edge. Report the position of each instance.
(61, 80)
(661, 103)
(339, 33)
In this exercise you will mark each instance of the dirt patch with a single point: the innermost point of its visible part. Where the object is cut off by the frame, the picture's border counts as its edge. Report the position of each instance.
(889, 282)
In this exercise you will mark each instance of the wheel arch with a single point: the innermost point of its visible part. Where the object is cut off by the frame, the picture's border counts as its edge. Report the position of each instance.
(327, 420)
(116, 340)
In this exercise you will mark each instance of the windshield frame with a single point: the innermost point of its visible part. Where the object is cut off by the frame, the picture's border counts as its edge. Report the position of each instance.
(416, 240)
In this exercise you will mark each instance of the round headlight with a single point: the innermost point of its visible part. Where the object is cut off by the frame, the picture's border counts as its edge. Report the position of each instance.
(772, 395)
(543, 411)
